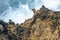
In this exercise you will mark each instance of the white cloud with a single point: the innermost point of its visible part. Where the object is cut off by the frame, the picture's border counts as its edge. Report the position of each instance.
(38, 4)
(18, 15)
(51, 4)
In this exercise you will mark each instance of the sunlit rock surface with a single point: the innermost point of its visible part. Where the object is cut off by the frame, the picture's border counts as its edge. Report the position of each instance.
(44, 25)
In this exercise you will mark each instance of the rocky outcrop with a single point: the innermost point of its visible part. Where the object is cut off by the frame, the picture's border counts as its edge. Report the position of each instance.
(44, 25)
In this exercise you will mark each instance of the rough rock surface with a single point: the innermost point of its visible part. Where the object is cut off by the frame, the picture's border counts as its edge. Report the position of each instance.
(44, 25)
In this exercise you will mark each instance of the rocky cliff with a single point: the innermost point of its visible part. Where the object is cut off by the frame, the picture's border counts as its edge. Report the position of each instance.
(44, 25)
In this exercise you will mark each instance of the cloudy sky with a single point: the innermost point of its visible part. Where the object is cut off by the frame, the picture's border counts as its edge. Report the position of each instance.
(20, 10)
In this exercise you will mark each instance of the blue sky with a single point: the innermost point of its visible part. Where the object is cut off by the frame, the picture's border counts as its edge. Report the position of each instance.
(20, 10)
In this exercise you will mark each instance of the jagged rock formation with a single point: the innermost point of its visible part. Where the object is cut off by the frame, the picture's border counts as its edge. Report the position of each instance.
(44, 25)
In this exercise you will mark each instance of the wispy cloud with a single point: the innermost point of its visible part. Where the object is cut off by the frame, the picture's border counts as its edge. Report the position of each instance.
(51, 4)
(18, 15)
(19, 10)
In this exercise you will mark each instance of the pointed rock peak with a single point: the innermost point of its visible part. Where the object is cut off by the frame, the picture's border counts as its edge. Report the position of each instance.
(43, 6)
(44, 9)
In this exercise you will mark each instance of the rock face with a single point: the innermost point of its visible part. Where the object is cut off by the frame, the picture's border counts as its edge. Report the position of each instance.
(44, 25)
